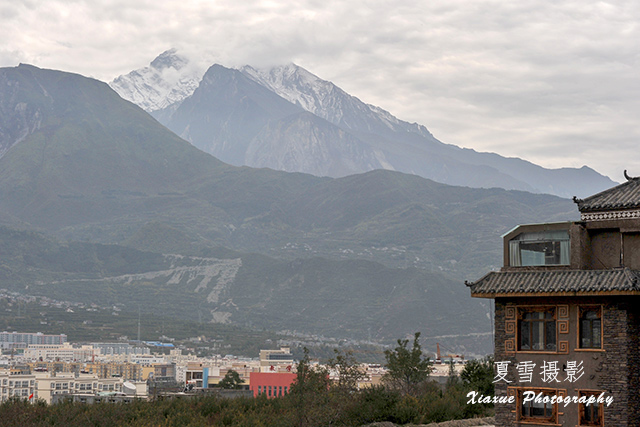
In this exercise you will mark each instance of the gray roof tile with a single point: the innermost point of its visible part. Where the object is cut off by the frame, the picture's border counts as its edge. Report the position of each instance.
(559, 281)
(623, 196)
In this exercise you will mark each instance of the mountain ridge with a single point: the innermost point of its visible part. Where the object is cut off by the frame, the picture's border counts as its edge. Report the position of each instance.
(100, 170)
(395, 144)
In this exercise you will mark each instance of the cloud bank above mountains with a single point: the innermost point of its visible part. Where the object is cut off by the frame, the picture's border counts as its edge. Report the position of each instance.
(554, 83)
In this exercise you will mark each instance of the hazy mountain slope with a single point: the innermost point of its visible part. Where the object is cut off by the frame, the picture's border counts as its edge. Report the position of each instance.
(412, 221)
(101, 169)
(226, 112)
(412, 148)
(326, 100)
(91, 147)
(226, 122)
(96, 157)
(305, 142)
(347, 299)
(242, 123)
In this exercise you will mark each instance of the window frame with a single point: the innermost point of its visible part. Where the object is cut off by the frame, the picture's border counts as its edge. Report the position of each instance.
(582, 409)
(549, 241)
(538, 420)
(521, 312)
(582, 309)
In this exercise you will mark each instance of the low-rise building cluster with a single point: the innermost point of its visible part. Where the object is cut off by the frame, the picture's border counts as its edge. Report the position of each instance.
(120, 371)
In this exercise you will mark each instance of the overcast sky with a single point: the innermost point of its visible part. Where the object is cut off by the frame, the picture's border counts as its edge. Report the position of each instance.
(554, 82)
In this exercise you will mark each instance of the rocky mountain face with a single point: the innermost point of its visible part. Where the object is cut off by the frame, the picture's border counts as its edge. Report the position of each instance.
(326, 100)
(169, 79)
(226, 112)
(19, 118)
(354, 137)
(306, 142)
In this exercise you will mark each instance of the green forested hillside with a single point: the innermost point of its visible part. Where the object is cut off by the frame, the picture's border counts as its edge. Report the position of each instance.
(374, 255)
(353, 299)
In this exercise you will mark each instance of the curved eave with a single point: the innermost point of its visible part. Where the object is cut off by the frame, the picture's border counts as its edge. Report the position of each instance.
(554, 294)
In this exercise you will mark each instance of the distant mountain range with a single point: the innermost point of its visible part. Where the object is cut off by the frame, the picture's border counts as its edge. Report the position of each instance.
(82, 164)
(286, 118)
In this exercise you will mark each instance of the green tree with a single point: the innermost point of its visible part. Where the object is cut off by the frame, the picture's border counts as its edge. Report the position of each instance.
(348, 372)
(478, 375)
(231, 380)
(309, 393)
(407, 369)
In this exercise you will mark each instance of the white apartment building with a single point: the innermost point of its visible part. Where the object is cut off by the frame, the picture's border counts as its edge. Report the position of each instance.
(44, 385)
(276, 360)
(9, 339)
(15, 384)
(63, 353)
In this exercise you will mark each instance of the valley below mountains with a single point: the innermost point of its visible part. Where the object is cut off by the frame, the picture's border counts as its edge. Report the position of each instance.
(99, 202)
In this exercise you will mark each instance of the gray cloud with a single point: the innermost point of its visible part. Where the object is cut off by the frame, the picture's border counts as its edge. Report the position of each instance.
(553, 82)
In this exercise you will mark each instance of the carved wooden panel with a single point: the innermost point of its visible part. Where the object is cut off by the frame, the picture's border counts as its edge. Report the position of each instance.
(510, 312)
(563, 312)
(510, 345)
(510, 327)
(563, 326)
(563, 347)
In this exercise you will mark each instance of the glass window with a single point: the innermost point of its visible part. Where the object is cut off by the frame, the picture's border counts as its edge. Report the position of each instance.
(591, 415)
(537, 410)
(590, 328)
(537, 329)
(542, 248)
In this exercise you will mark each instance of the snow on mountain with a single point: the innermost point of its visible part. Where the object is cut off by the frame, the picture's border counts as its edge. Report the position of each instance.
(167, 81)
(242, 117)
(328, 101)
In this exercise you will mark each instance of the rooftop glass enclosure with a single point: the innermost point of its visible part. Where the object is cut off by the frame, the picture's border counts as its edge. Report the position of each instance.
(540, 248)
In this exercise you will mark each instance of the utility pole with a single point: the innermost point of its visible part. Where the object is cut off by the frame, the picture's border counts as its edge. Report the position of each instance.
(138, 324)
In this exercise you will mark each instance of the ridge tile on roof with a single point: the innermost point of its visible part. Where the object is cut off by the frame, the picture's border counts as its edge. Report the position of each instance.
(559, 281)
(623, 196)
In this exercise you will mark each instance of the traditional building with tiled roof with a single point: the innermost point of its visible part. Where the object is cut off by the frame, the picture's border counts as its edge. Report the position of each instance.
(567, 316)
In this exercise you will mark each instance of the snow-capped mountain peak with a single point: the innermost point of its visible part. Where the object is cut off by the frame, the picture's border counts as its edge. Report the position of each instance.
(167, 81)
(327, 100)
(296, 85)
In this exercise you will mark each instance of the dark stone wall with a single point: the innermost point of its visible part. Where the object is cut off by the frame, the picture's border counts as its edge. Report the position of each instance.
(616, 370)
(504, 414)
(633, 339)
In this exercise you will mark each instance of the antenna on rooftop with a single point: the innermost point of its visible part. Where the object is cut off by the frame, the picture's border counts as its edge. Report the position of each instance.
(138, 324)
